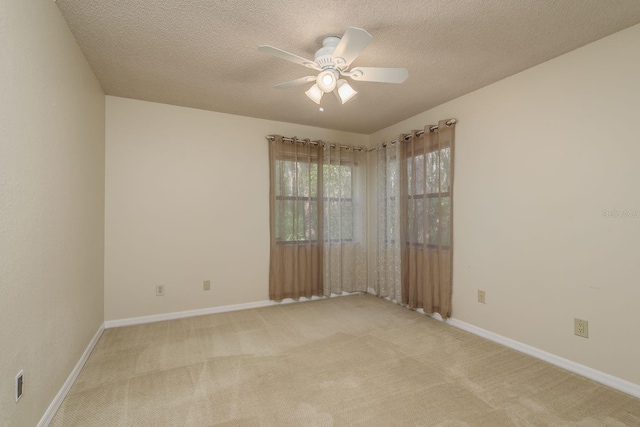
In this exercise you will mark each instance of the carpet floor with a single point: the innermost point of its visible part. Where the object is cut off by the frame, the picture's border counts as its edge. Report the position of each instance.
(351, 361)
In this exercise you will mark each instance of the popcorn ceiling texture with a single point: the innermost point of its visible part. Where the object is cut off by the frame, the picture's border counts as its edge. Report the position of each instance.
(203, 54)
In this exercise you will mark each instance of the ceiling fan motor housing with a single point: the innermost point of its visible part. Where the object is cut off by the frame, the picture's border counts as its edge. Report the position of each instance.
(323, 56)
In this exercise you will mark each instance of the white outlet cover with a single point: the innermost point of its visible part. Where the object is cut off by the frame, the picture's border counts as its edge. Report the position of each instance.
(581, 327)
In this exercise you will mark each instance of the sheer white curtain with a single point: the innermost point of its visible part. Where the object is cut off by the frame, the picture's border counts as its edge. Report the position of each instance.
(389, 266)
(344, 183)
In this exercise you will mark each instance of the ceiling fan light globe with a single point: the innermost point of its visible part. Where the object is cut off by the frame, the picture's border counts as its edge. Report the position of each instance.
(326, 81)
(345, 91)
(315, 94)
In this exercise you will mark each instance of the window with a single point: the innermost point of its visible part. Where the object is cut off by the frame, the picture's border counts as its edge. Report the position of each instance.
(296, 193)
(296, 197)
(338, 201)
(429, 198)
(317, 213)
(415, 242)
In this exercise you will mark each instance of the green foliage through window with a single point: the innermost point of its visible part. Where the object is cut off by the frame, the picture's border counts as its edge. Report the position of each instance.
(297, 201)
(429, 198)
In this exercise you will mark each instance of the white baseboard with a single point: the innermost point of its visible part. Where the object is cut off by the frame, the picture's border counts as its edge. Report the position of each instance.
(598, 376)
(57, 401)
(209, 310)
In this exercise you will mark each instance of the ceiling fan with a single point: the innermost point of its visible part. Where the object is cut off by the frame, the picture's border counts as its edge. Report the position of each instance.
(333, 60)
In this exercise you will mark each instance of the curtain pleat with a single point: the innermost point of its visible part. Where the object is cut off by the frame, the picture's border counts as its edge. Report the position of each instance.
(406, 227)
(388, 264)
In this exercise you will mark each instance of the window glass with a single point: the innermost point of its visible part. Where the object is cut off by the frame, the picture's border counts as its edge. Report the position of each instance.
(296, 194)
(429, 204)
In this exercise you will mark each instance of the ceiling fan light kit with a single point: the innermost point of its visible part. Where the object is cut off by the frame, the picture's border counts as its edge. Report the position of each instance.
(333, 60)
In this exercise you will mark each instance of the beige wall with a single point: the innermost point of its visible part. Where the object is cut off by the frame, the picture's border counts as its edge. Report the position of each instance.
(539, 156)
(186, 201)
(51, 206)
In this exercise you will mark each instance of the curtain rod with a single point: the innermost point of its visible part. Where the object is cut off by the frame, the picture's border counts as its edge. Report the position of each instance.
(355, 148)
(316, 143)
(418, 133)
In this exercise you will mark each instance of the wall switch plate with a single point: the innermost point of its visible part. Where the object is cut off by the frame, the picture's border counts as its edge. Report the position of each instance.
(581, 327)
(207, 285)
(19, 384)
(160, 290)
(481, 297)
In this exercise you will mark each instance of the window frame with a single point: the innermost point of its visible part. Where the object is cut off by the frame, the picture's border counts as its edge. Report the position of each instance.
(314, 160)
(424, 151)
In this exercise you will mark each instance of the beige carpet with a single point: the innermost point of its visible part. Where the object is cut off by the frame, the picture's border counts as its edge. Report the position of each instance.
(352, 361)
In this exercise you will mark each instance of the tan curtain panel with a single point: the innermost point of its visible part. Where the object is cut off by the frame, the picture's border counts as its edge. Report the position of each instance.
(296, 219)
(426, 218)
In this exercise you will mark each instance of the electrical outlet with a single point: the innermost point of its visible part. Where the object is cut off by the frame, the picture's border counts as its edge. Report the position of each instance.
(207, 285)
(581, 327)
(160, 290)
(481, 297)
(19, 384)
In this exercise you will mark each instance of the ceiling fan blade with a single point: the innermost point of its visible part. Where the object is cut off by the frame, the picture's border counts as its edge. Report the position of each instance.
(377, 74)
(282, 54)
(354, 41)
(297, 82)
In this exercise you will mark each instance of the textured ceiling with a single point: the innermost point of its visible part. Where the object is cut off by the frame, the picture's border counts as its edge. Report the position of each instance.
(203, 54)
